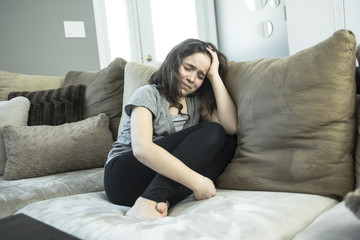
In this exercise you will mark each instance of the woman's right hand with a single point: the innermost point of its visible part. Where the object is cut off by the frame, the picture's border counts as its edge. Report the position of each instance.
(204, 188)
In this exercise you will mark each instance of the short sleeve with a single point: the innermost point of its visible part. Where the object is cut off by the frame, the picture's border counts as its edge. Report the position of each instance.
(146, 96)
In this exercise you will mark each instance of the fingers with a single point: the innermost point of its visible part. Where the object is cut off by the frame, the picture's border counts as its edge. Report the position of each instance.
(211, 51)
(206, 189)
(213, 54)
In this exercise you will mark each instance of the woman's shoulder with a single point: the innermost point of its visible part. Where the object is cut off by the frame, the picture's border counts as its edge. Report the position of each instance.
(145, 96)
(148, 88)
(148, 93)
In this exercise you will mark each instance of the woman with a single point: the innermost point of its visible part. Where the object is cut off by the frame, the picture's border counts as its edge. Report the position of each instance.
(178, 134)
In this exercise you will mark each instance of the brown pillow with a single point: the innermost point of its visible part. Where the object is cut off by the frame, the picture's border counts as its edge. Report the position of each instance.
(295, 121)
(34, 151)
(54, 107)
(104, 91)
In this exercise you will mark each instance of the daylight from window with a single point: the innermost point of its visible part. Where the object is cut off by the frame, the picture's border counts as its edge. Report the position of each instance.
(118, 29)
(173, 21)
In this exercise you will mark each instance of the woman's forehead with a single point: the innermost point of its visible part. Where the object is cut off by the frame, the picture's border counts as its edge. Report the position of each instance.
(200, 61)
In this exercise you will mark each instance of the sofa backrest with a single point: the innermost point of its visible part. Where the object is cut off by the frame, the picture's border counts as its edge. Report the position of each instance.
(16, 82)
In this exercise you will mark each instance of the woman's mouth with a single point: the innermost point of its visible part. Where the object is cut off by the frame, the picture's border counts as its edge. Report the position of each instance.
(186, 86)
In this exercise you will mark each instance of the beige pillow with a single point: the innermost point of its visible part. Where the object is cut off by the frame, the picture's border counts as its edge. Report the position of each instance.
(16, 82)
(34, 151)
(104, 91)
(136, 75)
(357, 149)
(295, 121)
(14, 112)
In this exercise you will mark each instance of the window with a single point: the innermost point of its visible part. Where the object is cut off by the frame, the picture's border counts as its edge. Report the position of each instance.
(118, 29)
(173, 22)
(145, 30)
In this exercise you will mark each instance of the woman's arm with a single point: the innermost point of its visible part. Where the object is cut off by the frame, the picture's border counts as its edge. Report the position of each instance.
(160, 160)
(225, 113)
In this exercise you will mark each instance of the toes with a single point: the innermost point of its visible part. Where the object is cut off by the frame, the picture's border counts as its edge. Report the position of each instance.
(162, 207)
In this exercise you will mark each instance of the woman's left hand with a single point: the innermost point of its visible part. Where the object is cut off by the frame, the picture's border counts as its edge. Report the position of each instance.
(214, 67)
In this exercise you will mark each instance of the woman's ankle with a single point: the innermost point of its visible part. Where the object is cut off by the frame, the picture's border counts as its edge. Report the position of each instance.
(147, 209)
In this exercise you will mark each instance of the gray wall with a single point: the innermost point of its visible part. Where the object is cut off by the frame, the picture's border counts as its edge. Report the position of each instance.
(32, 38)
(237, 30)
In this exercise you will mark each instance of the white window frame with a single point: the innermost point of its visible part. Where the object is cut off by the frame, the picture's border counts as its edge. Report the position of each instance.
(205, 10)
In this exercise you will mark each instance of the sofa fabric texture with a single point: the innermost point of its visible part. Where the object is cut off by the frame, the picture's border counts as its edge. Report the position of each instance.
(55, 106)
(16, 82)
(34, 151)
(230, 215)
(13, 112)
(104, 91)
(295, 121)
(19, 193)
(336, 223)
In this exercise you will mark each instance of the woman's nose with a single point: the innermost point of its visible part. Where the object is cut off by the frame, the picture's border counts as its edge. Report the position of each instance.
(191, 77)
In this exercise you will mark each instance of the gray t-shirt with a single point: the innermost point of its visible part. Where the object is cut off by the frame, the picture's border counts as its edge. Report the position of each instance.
(149, 97)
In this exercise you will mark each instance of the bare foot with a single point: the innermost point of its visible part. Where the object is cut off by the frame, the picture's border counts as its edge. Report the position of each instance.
(147, 209)
(163, 207)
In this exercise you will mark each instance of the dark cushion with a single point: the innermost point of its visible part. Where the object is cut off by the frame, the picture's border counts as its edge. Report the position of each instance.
(54, 107)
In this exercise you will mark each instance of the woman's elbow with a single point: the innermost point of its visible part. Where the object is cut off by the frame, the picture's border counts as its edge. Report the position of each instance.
(231, 129)
(138, 151)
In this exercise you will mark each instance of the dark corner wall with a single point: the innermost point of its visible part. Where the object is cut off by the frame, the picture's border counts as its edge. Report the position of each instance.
(32, 37)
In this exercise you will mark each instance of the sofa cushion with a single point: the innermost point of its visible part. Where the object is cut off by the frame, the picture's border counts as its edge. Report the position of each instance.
(136, 75)
(16, 194)
(334, 224)
(104, 91)
(295, 120)
(231, 214)
(14, 82)
(55, 106)
(34, 151)
(14, 112)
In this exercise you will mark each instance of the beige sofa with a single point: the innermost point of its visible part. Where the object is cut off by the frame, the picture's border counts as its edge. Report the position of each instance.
(296, 158)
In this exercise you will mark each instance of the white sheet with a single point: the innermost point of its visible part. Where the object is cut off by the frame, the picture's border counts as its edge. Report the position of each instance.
(230, 214)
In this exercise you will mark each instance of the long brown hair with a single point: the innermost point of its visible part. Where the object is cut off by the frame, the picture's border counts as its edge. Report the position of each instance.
(167, 78)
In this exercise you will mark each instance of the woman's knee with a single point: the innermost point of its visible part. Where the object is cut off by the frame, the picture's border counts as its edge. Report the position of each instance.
(216, 128)
(215, 134)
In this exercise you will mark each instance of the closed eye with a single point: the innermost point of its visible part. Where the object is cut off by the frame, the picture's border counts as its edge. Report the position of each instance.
(187, 69)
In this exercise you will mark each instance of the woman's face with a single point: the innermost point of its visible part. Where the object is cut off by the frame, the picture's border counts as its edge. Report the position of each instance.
(193, 72)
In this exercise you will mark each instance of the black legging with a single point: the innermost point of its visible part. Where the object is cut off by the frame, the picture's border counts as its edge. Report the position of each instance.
(205, 148)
